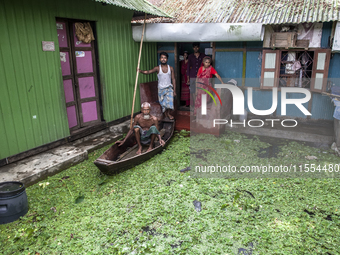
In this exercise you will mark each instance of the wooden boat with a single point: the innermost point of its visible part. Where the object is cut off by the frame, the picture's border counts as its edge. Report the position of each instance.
(119, 158)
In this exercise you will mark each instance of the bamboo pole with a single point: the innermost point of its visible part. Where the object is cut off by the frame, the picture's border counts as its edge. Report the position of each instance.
(331, 95)
(140, 52)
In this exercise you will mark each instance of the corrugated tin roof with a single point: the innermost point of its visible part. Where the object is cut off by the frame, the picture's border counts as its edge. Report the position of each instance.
(247, 11)
(137, 5)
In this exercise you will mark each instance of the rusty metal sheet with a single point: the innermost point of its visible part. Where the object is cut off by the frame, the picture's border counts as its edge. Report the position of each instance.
(250, 11)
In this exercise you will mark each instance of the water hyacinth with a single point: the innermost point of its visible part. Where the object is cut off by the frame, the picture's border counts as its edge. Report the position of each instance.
(149, 209)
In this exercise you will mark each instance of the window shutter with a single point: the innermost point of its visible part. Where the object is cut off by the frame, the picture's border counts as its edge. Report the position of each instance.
(320, 70)
(270, 69)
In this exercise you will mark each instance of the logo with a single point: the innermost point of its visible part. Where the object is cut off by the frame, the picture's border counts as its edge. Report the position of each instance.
(239, 101)
(218, 96)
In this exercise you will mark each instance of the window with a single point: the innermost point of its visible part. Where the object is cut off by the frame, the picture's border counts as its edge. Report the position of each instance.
(295, 68)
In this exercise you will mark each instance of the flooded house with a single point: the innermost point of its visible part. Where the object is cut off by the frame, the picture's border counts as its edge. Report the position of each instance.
(264, 46)
(67, 70)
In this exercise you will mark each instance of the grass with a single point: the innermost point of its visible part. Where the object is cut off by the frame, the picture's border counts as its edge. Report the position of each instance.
(149, 209)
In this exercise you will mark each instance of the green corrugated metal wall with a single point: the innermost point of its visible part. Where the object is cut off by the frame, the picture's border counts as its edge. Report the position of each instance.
(32, 105)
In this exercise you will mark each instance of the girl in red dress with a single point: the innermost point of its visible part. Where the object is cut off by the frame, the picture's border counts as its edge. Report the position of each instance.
(185, 92)
(204, 74)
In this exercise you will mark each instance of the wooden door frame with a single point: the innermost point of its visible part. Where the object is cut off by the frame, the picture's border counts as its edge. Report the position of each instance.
(73, 65)
(71, 76)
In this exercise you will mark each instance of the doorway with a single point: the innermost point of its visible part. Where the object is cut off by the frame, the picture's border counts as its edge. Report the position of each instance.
(80, 75)
(207, 49)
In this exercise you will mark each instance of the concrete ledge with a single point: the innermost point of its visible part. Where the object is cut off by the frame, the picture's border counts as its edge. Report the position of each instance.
(37, 168)
(100, 142)
(289, 134)
(43, 174)
(121, 128)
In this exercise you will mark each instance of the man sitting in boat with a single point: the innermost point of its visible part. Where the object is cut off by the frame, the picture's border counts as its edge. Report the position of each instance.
(166, 84)
(145, 128)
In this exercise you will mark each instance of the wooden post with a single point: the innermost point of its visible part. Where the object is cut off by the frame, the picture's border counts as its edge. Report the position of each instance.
(134, 94)
(177, 68)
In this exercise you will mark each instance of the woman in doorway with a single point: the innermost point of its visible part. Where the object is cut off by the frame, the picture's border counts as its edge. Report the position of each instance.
(204, 74)
(185, 93)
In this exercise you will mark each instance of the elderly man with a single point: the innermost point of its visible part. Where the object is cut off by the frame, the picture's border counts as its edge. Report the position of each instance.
(166, 84)
(145, 128)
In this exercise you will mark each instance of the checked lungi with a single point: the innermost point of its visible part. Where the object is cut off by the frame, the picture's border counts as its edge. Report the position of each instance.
(166, 98)
(145, 135)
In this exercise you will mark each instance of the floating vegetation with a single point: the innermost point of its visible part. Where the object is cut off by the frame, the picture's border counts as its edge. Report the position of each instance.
(149, 209)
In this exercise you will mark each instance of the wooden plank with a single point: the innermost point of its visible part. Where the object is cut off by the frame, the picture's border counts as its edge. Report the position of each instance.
(289, 41)
(294, 37)
(104, 161)
(177, 70)
(302, 44)
(86, 131)
(126, 152)
(283, 39)
(213, 54)
(272, 40)
(167, 51)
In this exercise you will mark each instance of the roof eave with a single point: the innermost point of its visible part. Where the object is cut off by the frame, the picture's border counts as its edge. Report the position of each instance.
(140, 5)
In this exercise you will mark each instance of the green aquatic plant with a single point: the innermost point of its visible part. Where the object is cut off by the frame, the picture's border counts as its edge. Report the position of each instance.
(149, 208)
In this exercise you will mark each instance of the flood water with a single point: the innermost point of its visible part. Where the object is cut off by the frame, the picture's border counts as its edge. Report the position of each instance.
(273, 150)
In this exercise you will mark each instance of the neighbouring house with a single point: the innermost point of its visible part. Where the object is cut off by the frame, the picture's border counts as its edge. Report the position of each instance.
(56, 87)
(261, 44)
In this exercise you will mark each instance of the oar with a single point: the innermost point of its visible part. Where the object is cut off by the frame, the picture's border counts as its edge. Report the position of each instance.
(134, 94)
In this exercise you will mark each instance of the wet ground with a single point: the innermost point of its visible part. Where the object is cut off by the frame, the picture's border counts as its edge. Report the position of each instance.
(276, 143)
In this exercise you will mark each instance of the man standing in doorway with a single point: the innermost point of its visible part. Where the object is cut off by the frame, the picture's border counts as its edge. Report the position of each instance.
(166, 84)
(194, 63)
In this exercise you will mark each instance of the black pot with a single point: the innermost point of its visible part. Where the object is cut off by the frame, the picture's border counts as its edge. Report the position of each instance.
(13, 201)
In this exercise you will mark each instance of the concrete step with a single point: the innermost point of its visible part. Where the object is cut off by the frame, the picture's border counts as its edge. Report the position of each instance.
(36, 168)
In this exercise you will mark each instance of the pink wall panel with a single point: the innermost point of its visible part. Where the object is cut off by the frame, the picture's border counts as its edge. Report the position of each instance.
(65, 63)
(62, 34)
(78, 43)
(68, 91)
(89, 111)
(71, 116)
(86, 87)
(84, 61)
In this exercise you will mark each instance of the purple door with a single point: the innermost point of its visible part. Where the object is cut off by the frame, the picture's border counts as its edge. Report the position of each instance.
(79, 77)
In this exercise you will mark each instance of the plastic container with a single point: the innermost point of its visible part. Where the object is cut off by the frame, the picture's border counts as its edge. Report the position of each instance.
(13, 201)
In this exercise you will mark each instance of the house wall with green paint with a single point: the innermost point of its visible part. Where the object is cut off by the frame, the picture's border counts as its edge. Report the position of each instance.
(32, 105)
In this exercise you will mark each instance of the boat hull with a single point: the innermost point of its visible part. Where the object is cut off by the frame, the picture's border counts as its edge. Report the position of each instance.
(110, 164)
